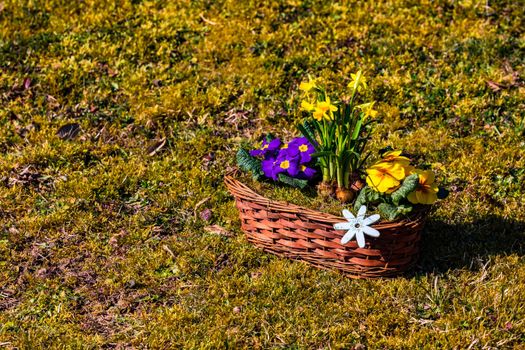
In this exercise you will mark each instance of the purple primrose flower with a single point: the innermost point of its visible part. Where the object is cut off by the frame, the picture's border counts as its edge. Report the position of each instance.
(306, 172)
(266, 148)
(267, 166)
(286, 164)
(289, 158)
(272, 166)
(302, 148)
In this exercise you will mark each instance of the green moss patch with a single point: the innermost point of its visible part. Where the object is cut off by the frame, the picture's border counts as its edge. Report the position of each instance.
(102, 234)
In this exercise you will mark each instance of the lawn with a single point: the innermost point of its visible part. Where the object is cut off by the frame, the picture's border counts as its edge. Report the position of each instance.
(119, 119)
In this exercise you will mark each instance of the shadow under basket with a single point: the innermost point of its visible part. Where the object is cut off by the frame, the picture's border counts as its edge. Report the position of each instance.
(299, 233)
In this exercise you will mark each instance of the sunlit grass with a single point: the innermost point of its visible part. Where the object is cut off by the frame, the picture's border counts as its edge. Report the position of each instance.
(102, 240)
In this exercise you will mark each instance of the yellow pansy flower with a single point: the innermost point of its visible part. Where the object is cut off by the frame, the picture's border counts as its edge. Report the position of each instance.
(385, 176)
(396, 157)
(426, 191)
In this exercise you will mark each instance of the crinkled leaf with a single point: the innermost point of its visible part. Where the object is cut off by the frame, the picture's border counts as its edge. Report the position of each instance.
(298, 183)
(409, 185)
(404, 209)
(366, 195)
(388, 211)
(391, 212)
(309, 128)
(249, 163)
(269, 137)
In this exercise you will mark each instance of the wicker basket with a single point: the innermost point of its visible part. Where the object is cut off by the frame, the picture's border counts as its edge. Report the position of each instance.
(304, 234)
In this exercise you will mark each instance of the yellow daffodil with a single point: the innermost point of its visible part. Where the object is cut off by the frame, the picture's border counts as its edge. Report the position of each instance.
(326, 106)
(385, 176)
(307, 106)
(358, 81)
(307, 86)
(368, 110)
(319, 114)
(426, 191)
(324, 109)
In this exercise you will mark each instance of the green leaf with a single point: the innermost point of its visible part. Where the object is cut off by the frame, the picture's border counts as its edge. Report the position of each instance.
(404, 209)
(308, 131)
(249, 163)
(392, 212)
(309, 128)
(322, 154)
(298, 183)
(387, 211)
(366, 195)
(357, 129)
(409, 185)
(362, 161)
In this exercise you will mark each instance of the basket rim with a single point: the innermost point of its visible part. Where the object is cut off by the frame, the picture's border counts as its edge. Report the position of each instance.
(240, 190)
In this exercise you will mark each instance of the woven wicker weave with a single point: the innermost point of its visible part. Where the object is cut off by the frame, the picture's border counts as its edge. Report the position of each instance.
(304, 234)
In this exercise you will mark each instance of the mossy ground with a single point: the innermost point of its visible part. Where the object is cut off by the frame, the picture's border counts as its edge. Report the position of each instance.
(102, 240)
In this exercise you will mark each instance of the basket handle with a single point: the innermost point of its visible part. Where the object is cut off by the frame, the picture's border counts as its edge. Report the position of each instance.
(238, 189)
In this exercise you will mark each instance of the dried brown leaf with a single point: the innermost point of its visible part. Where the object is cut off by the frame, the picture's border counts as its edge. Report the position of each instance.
(27, 83)
(218, 230)
(156, 147)
(494, 86)
(206, 214)
(68, 131)
(201, 202)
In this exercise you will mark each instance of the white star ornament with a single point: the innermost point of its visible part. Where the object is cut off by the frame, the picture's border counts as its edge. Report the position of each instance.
(357, 226)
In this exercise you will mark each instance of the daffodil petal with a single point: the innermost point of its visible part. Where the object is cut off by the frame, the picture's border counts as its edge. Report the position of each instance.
(307, 106)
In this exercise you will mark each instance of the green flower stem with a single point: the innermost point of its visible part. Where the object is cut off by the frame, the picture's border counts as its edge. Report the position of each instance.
(346, 178)
(326, 174)
(340, 175)
(332, 168)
